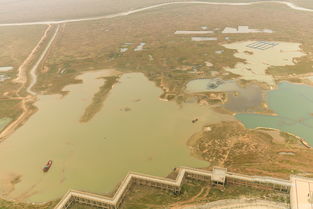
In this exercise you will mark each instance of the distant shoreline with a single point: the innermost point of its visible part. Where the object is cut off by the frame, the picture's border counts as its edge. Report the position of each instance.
(302, 140)
(121, 14)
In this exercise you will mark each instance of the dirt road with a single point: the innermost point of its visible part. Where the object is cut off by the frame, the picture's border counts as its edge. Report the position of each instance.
(27, 79)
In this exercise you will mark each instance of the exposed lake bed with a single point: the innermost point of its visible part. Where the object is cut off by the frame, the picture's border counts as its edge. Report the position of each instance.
(258, 60)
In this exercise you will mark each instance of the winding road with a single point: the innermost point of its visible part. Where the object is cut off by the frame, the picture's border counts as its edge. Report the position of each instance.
(28, 79)
(32, 72)
(21, 71)
(121, 14)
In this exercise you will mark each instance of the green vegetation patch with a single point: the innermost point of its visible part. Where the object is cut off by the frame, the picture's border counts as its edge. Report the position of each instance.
(17, 42)
(255, 152)
(98, 99)
(146, 197)
(235, 192)
(290, 139)
(10, 108)
(299, 68)
(195, 192)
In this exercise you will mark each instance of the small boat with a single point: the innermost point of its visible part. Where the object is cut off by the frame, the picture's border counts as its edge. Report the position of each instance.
(47, 166)
(195, 120)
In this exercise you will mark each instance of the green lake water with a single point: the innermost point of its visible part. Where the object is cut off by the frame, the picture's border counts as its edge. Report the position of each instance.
(293, 104)
(95, 156)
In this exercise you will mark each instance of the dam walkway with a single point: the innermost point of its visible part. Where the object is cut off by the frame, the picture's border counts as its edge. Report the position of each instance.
(217, 176)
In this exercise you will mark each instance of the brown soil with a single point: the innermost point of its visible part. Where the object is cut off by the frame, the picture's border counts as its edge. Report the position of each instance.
(254, 152)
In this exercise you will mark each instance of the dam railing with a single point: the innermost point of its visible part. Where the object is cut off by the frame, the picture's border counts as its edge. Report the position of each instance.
(167, 184)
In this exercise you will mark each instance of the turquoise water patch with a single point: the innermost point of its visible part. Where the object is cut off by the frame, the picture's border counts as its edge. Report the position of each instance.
(4, 122)
(293, 104)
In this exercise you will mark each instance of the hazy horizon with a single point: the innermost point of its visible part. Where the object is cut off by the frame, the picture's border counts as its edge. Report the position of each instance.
(15, 11)
(36, 10)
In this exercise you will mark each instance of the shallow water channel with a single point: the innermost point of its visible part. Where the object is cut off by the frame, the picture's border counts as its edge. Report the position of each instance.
(149, 137)
(247, 98)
